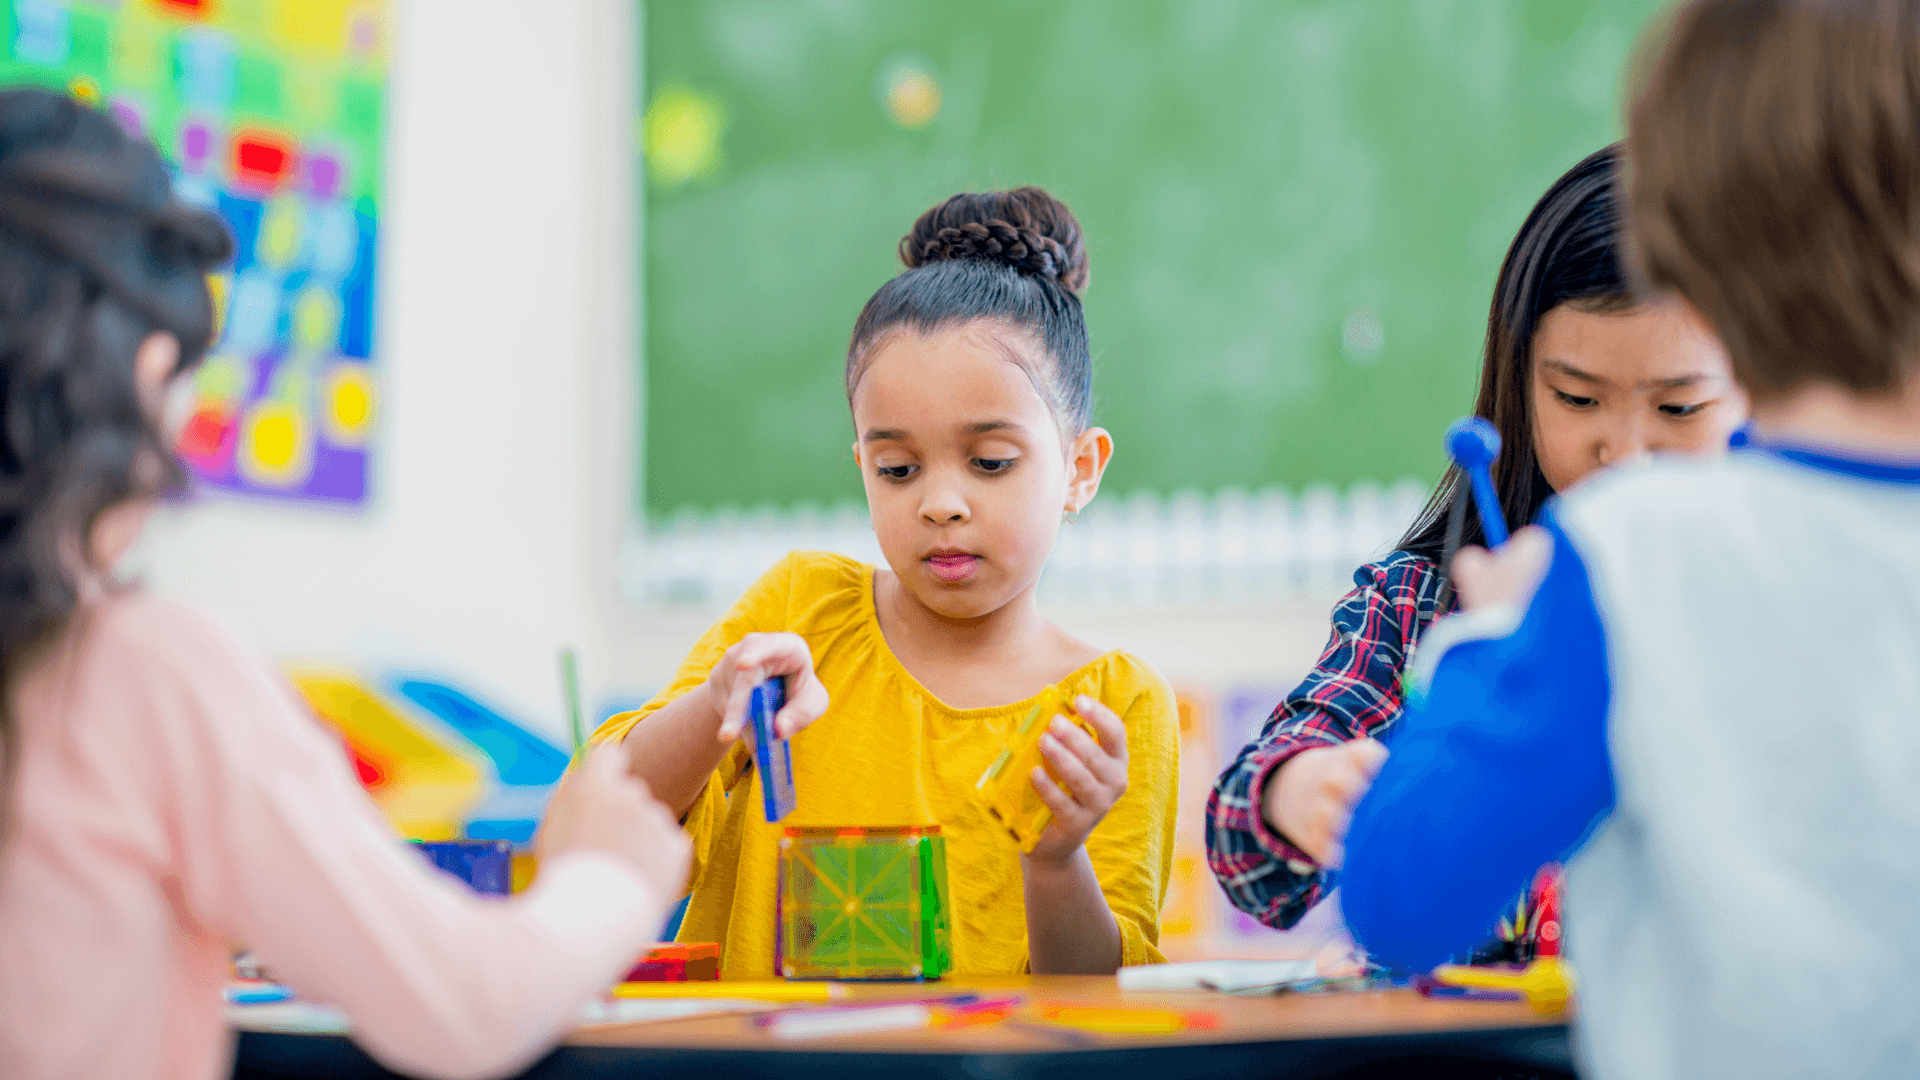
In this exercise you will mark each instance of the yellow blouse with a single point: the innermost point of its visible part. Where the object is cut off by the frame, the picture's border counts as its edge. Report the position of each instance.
(887, 752)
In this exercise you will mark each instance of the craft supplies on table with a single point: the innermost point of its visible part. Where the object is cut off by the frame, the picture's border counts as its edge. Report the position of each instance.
(678, 962)
(1220, 975)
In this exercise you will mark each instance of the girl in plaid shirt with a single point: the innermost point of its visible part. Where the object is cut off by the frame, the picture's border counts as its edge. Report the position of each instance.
(1578, 374)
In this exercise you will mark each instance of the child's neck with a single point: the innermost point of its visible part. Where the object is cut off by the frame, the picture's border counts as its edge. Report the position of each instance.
(1880, 425)
(1004, 656)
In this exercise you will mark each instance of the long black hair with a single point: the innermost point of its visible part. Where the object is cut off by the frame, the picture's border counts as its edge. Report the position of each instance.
(96, 255)
(1011, 256)
(1568, 252)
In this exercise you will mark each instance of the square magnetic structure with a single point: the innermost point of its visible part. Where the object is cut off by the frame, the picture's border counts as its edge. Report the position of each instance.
(1006, 788)
(678, 962)
(863, 903)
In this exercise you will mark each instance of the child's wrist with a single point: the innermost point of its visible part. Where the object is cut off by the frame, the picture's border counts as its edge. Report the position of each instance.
(1050, 863)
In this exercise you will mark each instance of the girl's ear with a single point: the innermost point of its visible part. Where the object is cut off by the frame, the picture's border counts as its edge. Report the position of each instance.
(1087, 461)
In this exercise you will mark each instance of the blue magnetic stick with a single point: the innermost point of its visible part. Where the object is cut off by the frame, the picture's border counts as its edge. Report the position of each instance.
(772, 755)
(1473, 444)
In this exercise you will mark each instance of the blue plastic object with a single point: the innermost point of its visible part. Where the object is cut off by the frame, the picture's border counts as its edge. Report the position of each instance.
(485, 865)
(772, 756)
(520, 757)
(1473, 444)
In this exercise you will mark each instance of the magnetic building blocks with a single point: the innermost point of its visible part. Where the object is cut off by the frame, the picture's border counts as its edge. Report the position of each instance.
(1006, 788)
(863, 903)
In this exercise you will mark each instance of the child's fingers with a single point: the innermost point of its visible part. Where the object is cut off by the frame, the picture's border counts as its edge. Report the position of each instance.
(1057, 800)
(805, 704)
(1369, 755)
(1080, 781)
(1106, 724)
(733, 713)
(1105, 768)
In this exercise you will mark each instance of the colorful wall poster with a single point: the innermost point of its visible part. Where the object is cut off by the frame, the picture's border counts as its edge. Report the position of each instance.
(270, 112)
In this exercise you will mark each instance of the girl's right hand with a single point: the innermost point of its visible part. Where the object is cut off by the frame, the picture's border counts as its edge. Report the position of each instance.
(606, 808)
(753, 660)
(1310, 798)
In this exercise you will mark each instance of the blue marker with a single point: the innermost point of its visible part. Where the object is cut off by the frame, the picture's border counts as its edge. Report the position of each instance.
(772, 755)
(258, 994)
(1473, 444)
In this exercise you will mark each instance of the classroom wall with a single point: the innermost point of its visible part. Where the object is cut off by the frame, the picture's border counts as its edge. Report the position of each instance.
(505, 346)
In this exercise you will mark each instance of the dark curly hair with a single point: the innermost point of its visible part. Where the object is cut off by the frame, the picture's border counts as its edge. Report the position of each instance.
(96, 255)
(1012, 256)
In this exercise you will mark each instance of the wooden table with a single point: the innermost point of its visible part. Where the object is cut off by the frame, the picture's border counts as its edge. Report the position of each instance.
(1373, 1033)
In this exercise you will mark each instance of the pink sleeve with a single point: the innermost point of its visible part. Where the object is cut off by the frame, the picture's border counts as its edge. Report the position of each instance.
(282, 850)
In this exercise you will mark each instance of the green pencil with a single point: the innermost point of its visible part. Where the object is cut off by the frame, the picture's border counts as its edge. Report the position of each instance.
(570, 681)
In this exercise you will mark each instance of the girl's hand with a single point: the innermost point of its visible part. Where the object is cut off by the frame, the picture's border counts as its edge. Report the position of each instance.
(1508, 576)
(607, 808)
(753, 660)
(1310, 798)
(1095, 775)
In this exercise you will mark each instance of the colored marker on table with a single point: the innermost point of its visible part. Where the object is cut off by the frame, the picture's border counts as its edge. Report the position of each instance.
(772, 755)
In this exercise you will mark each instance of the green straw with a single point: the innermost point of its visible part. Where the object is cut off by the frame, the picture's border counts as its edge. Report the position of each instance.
(570, 680)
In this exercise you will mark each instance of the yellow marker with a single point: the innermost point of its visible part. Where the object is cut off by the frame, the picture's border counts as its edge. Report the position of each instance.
(1127, 1021)
(754, 990)
(1547, 983)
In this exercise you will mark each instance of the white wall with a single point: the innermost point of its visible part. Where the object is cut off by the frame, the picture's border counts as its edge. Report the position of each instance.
(505, 363)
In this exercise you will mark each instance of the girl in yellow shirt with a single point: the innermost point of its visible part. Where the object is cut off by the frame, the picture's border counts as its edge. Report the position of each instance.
(970, 385)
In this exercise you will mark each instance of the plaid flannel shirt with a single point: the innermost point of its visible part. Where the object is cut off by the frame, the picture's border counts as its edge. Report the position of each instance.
(1352, 693)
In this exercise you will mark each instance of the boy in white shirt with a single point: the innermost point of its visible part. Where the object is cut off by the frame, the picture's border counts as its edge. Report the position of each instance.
(1702, 679)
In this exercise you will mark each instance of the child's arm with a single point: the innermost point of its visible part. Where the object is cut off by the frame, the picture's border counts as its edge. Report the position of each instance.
(1277, 815)
(1502, 768)
(1095, 881)
(276, 845)
(1070, 929)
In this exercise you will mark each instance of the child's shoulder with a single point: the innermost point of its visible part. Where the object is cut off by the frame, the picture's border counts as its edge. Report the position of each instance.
(808, 590)
(1398, 569)
(141, 622)
(1127, 684)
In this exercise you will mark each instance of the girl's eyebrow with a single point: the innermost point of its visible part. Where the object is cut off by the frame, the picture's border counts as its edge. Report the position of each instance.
(1677, 382)
(884, 435)
(982, 427)
(1571, 372)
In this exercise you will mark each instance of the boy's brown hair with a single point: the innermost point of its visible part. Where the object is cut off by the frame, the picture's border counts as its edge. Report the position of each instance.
(1773, 152)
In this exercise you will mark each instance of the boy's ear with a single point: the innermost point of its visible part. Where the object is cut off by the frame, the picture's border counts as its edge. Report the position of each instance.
(1087, 461)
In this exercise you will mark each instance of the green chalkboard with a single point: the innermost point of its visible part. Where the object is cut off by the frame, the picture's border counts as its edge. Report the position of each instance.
(1295, 210)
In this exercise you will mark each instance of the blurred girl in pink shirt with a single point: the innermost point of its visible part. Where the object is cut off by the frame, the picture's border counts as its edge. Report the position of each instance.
(163, 796)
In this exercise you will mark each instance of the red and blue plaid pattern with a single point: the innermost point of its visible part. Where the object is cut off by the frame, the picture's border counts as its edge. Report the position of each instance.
(1352, 693)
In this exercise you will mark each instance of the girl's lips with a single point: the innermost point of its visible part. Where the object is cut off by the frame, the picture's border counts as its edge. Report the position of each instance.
(952, 567)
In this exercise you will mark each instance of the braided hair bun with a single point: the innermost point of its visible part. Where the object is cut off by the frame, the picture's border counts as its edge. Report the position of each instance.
(1026, 228)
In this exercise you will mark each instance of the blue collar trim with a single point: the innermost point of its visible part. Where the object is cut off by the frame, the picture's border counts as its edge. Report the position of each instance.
(1884, 470)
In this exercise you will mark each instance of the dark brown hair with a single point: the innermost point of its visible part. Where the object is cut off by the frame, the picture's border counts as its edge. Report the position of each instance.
(1567, 252)
(1775, 183)
(96, 254)
(1015, 257)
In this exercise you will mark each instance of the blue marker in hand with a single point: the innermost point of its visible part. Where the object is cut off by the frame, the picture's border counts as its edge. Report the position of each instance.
(1473, 444)
(772, 755)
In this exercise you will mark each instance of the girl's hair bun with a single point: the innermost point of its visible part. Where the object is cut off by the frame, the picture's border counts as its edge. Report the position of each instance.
(1026, 228)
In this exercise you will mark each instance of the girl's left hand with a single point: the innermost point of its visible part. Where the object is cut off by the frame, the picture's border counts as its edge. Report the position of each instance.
(1095, 776)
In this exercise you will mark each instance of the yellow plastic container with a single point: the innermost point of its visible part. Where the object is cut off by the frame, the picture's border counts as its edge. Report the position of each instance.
(1006, 788)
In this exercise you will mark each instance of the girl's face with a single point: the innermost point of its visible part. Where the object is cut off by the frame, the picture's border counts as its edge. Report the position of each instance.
(964, 466)
(1611, 388)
